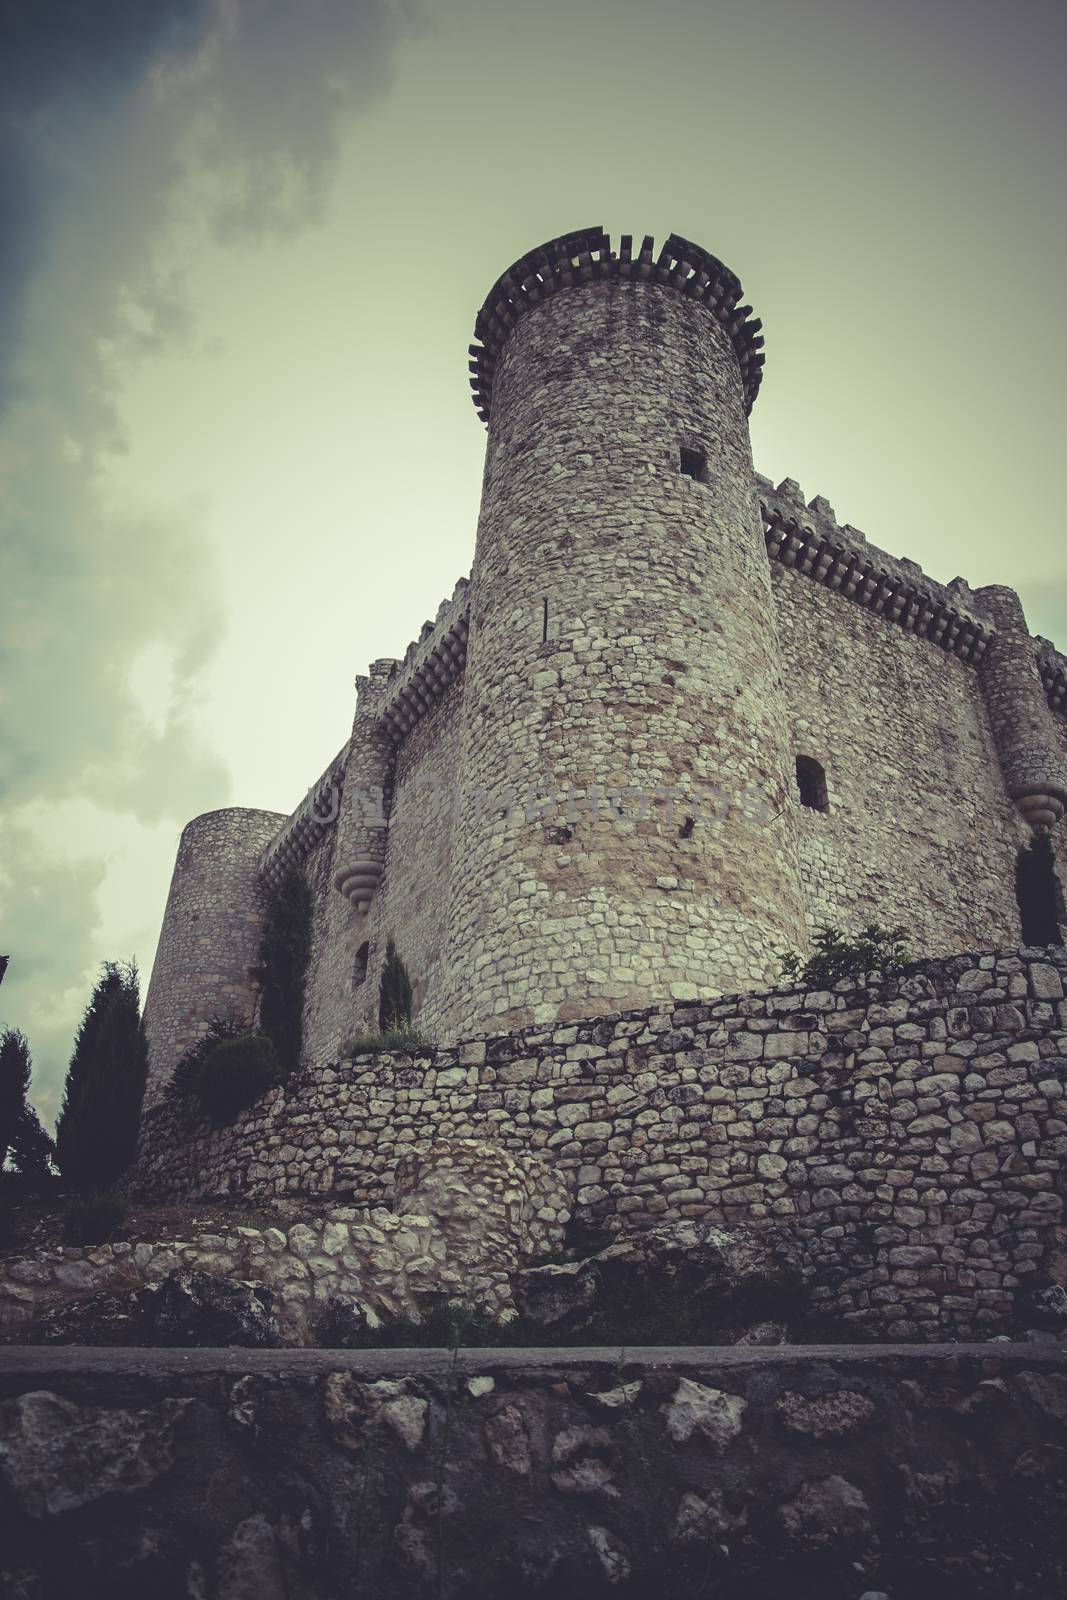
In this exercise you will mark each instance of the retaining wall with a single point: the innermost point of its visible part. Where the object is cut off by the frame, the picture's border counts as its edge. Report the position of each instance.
(911, 1132)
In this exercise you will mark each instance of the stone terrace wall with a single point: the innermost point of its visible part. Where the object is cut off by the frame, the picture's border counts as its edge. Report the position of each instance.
(911, 1133)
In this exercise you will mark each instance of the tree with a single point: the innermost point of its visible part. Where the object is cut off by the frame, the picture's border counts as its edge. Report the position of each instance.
(1039, 893)
(15, 1068)
(394, 996)
(32, 1150)
(96, 1134)
(284, 955)
(21, 1134)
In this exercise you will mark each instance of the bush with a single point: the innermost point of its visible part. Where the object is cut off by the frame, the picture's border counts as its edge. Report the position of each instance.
(183, 1079)
(836, 956)
(96, 1134)
(284, 954)
(94, 1218)
(398, 1040)
(236, 1072)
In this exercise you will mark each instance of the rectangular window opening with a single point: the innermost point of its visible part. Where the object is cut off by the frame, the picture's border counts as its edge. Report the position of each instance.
(693, 463)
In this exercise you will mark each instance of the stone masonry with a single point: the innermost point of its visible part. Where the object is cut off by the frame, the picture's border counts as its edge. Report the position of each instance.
(911, 1133)
(576, 792)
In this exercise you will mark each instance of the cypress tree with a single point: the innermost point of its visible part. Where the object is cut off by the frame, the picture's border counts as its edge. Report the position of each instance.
(32, 1150)
(284, 954)
(96, 1134)
(1039, 892)
(394, 996)
(15, 1068)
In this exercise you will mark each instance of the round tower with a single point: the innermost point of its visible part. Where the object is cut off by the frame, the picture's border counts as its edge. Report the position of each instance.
(626, 835)
(209, 940)
(1031, 755)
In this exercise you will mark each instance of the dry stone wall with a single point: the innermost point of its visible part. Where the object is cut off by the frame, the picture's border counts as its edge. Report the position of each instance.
(911, 1133)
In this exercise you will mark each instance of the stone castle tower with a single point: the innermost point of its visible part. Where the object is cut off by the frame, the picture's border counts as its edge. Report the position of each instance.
(675, 718)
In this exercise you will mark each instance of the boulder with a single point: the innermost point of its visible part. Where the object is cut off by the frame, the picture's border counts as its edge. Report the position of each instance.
(348, 1323)
(103, 1319)
(56, 1456)
(690, 1281)
(191, 1308)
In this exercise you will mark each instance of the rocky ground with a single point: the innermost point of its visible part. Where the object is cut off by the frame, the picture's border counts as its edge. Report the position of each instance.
(921, 1473)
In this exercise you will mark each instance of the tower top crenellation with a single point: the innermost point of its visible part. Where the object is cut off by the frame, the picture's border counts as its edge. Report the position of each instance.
(586, 256)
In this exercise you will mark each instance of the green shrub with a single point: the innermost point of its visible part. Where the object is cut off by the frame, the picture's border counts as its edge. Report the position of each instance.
(235, 1073)
(183, 1079)
(836, 956)
(96, 1134)
(395, 1040)
(94, 1218)
(284, 954)
(394, 995)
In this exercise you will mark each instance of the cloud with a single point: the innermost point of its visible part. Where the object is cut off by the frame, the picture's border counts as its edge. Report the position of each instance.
(126, 128)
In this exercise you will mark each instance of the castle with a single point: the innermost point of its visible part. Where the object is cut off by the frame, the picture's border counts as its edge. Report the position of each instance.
(676, 717)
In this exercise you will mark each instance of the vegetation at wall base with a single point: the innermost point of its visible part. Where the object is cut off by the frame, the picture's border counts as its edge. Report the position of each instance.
(21, 1134)
(185, 1077)
(96, 1135)
(94, 1218)
(234, 1074)
(394, 996)
(395, 1040)
(284, 955)
(837, 956)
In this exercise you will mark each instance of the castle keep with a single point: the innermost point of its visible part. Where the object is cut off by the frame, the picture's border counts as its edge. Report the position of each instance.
(675, 718)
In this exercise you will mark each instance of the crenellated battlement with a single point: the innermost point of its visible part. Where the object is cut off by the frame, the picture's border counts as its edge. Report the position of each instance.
(586, 256)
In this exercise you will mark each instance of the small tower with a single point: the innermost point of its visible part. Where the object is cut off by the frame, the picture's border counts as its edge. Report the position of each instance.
(209, 941)
(625, 834)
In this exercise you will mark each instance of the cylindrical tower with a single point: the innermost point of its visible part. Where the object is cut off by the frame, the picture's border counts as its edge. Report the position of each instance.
(209, 940)
(1031, 755)
(625, 833)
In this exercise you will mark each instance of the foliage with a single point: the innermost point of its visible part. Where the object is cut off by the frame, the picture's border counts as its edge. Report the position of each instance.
(32, 1152)
(284, 954)
(96, 1134)
(397, 1040)
(235, 1073)
(94, 1218)
(184, 1078)
(394, 996)
(836, 956)
(15, 1068)
(1039, 892)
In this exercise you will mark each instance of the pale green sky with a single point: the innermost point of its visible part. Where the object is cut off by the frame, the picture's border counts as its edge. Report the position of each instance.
(299, 482)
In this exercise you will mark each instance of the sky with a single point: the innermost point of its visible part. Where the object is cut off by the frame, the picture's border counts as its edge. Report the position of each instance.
(243, 244)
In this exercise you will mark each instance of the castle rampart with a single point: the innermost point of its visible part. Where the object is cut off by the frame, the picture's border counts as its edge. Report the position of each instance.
(909, 1133)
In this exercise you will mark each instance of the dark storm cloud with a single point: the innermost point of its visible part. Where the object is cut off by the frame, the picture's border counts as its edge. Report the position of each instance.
(124, 125)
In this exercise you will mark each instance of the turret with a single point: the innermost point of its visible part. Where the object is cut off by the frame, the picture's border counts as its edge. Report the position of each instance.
(209, 941)
(1031, 754)
(625, 833)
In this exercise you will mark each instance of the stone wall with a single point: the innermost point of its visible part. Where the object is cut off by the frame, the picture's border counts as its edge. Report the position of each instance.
(464, 1218)
(918, 1475)
(916, 794)
(911, 1133)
